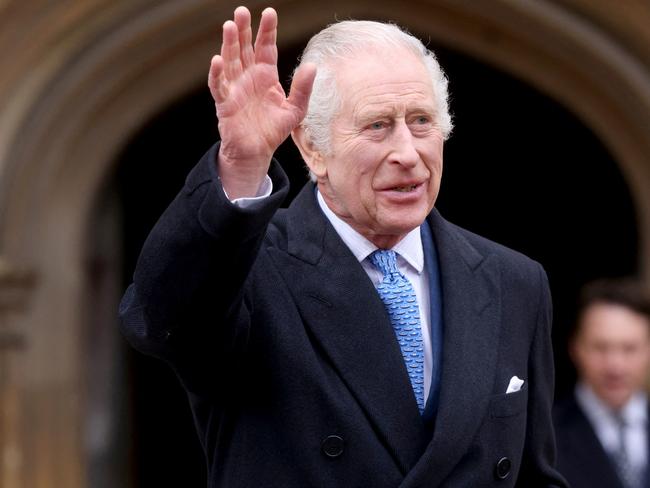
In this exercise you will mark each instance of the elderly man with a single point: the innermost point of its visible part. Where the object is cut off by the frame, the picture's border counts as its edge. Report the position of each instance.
(355, 339)
(602, 429)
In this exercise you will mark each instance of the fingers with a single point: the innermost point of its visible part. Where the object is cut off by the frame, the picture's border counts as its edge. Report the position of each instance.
(237, 48)
(216, 81)
(266, 50)
(230, 51)
(301, 86)
(243, 21)
(237, 52)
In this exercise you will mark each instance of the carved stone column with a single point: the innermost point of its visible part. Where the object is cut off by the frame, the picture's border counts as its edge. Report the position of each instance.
(15, 287)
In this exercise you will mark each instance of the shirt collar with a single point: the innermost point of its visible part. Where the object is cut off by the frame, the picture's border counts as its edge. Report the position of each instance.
(635, 411)
(409, 248)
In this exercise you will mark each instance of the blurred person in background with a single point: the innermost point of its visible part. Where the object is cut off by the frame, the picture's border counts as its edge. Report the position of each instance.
(602, 428)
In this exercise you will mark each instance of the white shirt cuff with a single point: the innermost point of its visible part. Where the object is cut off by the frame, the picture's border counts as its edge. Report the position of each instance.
(265, 189)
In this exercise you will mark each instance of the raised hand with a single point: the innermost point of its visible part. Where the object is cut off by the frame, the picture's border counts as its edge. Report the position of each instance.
(255, 116)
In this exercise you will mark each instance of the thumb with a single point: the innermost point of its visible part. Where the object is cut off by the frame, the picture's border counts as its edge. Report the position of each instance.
(301, 86)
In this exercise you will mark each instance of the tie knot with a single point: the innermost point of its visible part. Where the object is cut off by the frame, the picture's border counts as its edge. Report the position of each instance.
(620, 420)
(385, 261)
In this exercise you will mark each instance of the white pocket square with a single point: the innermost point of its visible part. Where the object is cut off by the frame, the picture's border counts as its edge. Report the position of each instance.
(514, 385)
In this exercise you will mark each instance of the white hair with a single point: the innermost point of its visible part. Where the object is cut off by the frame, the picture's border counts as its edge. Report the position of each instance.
(342, 41)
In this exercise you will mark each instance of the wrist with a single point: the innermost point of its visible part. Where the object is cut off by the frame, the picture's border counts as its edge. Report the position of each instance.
(241, 178)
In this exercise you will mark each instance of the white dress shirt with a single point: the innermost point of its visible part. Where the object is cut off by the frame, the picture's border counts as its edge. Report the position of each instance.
(410, 262)
(606, 426)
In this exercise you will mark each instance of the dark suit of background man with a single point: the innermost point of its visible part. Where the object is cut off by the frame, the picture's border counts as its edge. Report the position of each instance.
(602, 429)
(271, 318)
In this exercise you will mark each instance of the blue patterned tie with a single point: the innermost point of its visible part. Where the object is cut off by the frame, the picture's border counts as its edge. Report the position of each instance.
(402, 306)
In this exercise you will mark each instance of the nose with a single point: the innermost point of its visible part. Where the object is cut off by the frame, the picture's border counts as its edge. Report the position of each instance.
(403, 144)
(615, 361)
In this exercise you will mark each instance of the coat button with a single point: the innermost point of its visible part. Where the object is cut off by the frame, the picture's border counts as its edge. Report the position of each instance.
(502, 469)
(332, 446)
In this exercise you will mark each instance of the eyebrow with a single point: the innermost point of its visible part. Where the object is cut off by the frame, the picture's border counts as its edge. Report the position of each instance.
(389, 112)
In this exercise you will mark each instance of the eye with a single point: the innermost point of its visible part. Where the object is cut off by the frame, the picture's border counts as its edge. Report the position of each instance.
(422, 120)
(629, 349)
(377, 125)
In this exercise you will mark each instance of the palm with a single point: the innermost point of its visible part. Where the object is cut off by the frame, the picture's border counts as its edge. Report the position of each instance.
(257, 111)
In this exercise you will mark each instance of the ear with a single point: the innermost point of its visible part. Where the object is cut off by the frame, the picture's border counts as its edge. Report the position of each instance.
(573, 346)
(312, 156)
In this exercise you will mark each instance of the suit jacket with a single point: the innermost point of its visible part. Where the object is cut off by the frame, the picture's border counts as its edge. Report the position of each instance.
(581, 458)
(291, 365)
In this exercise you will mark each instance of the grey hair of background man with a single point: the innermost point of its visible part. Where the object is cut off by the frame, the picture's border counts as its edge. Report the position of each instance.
(344, 40)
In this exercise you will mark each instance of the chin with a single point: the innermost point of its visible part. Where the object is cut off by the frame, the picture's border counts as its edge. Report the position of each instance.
(410, 221)
(399, 229)
(617, 400)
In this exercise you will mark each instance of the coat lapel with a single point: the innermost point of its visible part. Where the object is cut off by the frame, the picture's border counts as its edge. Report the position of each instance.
(587, 449)
(345, 315)
(471, 316)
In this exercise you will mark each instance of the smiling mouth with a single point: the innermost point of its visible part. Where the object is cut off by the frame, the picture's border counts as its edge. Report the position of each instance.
(405, 189)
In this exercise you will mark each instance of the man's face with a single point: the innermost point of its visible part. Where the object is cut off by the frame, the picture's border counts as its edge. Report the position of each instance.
(612, 352)
(383, 172)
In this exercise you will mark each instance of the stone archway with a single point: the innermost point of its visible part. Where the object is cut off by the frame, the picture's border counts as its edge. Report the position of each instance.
(66, 123)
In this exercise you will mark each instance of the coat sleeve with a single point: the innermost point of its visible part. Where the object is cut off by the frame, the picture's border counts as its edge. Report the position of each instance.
(538, 465)
(186, 303)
